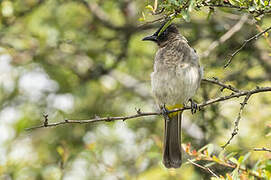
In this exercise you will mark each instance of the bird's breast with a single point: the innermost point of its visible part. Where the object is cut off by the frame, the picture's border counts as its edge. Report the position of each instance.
(174, 84)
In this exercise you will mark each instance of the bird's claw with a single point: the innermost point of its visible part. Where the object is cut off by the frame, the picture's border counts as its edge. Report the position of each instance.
(165, 112)
(194, 106)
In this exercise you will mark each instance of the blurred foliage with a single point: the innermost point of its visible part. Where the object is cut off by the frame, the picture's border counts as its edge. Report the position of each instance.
(182, 8)
(81, 59)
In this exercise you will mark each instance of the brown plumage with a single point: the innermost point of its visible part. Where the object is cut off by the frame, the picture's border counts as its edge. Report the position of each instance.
(176, 78)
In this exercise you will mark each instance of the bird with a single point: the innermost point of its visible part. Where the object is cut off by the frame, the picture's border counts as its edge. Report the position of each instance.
(175, 79)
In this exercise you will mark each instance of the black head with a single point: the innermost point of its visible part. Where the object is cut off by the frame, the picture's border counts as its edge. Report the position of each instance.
(164, 36)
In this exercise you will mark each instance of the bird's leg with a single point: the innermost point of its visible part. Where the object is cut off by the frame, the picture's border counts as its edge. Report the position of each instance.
(165, 112)
(194, 106)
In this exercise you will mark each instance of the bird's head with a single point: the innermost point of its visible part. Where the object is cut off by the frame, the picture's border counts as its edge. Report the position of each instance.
(169, 33)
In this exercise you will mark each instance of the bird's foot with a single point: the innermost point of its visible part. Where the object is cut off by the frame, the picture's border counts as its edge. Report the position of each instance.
(165, 112)
(194, 106)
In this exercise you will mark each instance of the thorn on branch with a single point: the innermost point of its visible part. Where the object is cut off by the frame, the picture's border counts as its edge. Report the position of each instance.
(243, 104)
(108, 119)
(237, 94)
(234, 133)
(45, 123)
(138, 111)
(215, 78)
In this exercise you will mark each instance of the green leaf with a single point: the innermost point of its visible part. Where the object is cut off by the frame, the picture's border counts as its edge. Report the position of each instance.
(210, 149)
(176, 2)
(142, 18)
(255, 167)
(203, 148)
(262, 3)
(191, 5)
(60, 151)
(234, 2)
(231, 155)
(252, 8)
(235, 174)
(257, 18)
(232, 159)
(221, 155)
(211, 11)
(185, 14)
(149, 7)
(240, 160)
(268, 166)
(246, 156)
(166, 25)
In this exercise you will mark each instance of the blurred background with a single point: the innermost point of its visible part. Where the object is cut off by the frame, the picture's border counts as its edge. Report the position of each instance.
(82, 59)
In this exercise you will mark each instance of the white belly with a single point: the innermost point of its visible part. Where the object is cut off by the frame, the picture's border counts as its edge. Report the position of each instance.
(175, 85)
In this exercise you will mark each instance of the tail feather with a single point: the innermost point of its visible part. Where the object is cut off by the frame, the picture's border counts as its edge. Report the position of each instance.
(172, 155)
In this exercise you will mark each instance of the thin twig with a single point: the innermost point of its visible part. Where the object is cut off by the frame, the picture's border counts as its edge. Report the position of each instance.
(225, 6)
(224, 86)
(155, 5)
(226, 36)
(141, 114)
(159, 12)
(201, 156)
(258, 12)
(244, 44)
(99, 14)
(151, 22)
(265, 35)
(202, 167)
(97, 119)
(229, 165)
(236, 122)
(262, 149)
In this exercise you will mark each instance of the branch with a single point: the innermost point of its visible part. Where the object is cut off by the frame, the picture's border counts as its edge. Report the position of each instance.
(231, 165)
(97, 119)
(262, 149)
(225, 6)
(244, 44)
(217, 82)
(223, 161)
(258, 12)
(236, 122)
(99, 14)
(226, 36)
(202, 167)
(141, 114)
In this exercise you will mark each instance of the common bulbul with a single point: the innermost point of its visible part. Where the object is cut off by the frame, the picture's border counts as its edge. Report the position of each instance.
(174, 80)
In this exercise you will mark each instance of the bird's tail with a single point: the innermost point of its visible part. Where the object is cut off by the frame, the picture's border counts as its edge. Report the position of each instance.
(172, 155)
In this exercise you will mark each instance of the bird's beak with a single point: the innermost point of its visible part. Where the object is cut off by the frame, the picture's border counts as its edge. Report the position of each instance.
(150, 38)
